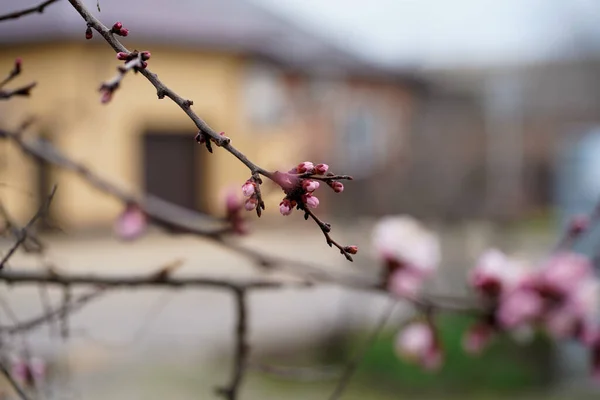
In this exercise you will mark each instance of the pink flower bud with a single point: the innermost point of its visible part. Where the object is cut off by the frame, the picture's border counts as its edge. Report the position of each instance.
(117, 26)
(146, 55)
(477, 337)
(132, 223)
(286, 207)
(250, 204)
(311, 201)
(321, 168)
(248, 188)
(18, 64)
(310, 186)
(351, 249)
(337, 186)
(89, 33)
(518, 307)
(122, 56)
(123, 32)
(305, 167)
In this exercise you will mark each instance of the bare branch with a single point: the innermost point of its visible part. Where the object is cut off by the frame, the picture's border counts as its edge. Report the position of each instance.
(23, 235)
(206, 134)
(242, 348)
(160, 211)
(69, 308)
(32, 10)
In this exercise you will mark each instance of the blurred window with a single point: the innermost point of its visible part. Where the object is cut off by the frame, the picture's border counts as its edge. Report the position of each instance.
(264, 96)
(357, 143)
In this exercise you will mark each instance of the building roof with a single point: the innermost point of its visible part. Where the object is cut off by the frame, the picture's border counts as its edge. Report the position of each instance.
(228, 25)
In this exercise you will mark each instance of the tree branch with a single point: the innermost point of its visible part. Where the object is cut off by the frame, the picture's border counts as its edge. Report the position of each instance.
(206, 133)
(32, 10)
(242, 348)
(24, 232)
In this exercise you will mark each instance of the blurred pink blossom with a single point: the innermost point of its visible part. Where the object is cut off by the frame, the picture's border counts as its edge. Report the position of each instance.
(518, 307)
(132, 223)
(403, 240)
(496, 273)
(417, 343)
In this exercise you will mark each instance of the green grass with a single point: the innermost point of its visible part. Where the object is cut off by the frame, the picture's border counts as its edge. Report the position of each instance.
(505, 367)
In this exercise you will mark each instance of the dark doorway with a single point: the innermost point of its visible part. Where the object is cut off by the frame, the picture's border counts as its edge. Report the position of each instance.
(171, 168)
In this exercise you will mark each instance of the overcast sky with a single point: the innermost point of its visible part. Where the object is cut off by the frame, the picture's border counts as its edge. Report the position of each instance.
(443, 32)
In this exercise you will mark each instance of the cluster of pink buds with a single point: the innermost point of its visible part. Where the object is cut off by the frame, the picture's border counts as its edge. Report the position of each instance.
(560, 296)
(300, 183)
(418, 342)
(144, 56)
(249, 191)
(410, 254)
(118, 29)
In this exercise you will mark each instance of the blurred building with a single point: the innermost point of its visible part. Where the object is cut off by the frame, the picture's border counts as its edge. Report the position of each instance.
(280, 92)
(488, 140)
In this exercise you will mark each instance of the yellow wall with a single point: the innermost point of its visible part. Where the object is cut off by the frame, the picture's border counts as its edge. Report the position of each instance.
(106, 137)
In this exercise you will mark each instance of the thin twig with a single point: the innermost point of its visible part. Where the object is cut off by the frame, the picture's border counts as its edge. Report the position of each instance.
(242, 348)
(354, 362)
(32, 10)
(16, 276)
(73, 306)
(23, 235)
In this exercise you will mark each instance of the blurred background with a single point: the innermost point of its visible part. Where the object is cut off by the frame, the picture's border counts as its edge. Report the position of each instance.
(479, 117)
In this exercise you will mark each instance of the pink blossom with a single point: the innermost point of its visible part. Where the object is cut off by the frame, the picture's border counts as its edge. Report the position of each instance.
(495, 273)
(564, 272)
(132, 223)
(518, 307)
(404, 240)
(311, 201)
(248, 188)
(305, 167)
(321, 168)
(286, 207)
(405, 283)
(477, 337)
(337, 186)
(417, 343)
(310, 186)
